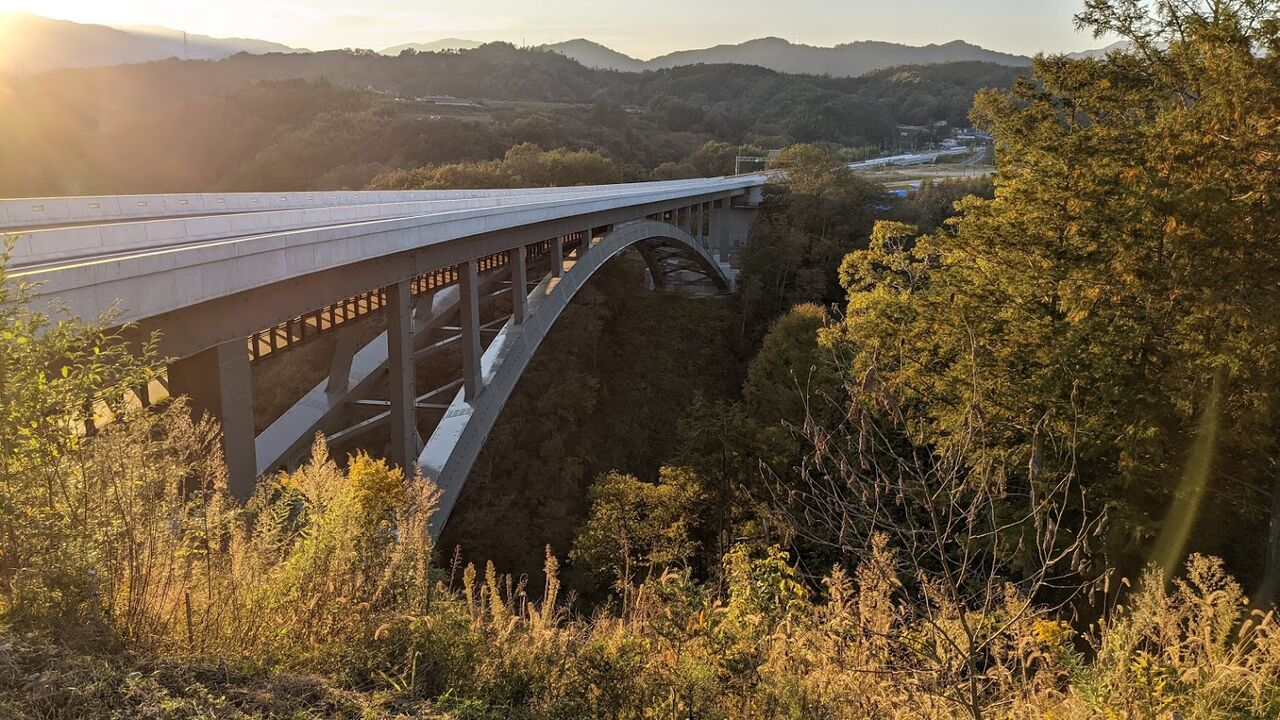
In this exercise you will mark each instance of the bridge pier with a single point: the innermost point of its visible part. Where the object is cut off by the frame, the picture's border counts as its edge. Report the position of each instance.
(519, 285)
(400, 376)
(557, 256)
(217, 382)
(469, 286)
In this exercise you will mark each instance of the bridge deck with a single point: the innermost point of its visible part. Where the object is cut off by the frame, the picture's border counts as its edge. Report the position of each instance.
(149, 266)
(229, 278)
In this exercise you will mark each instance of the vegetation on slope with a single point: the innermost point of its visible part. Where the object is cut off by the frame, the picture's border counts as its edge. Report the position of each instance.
(338, 119)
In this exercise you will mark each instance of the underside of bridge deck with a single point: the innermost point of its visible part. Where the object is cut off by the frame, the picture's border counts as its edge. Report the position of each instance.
(490, 323)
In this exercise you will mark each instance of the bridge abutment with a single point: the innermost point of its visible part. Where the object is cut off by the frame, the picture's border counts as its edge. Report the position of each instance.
(730, 228)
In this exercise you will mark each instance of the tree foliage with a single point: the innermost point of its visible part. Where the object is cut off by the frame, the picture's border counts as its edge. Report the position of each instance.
(524, 165)
(1124, 269)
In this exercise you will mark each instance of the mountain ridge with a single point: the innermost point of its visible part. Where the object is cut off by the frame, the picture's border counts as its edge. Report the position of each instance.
(35, 43)
(39, 43)
(442, 45)
(844, 60)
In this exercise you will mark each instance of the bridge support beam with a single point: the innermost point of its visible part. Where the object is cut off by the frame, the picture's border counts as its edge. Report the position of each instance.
(469, 286)
(557, 257)
(218, 382)
(400, 376)
(343, 353)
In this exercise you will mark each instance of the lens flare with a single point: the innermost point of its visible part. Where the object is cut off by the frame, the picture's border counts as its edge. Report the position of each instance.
(1172, 542)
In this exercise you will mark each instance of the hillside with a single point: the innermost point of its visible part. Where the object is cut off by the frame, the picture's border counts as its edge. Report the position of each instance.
(164, 125)
(34, 44)
(594, 55)
(846, 60)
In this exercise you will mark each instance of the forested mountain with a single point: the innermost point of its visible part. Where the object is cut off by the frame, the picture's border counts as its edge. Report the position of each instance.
(594, 55)
(33, 44)
(845, 60)
(336, 119)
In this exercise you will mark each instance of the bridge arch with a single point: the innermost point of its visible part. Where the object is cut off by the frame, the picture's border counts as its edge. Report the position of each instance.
(454, 446)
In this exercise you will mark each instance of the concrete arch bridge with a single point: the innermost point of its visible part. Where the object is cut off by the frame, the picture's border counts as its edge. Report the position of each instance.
(230, 280)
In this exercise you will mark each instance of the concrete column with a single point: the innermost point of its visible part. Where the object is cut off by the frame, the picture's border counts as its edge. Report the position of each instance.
(469, 285)
(519, 286)
(400, 380)
(557, 256)
(711, 240)
(217, 382)
(698, 222)
(586, 241)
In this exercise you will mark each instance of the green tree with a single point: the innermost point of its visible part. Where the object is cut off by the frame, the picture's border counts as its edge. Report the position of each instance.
(524, 165)
(636, 528)
(714, 159)
(792, 377)
(1123, 275)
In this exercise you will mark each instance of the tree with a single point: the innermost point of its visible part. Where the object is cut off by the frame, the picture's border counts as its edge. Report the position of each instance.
(1119, 293)
(791, 373)
(714, 159)
(524, 165)
(636, 528)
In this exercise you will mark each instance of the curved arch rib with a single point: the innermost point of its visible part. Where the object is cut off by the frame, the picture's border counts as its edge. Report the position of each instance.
(453, 448)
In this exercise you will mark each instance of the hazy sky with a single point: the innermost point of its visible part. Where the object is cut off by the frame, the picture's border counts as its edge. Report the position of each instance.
(642, 28)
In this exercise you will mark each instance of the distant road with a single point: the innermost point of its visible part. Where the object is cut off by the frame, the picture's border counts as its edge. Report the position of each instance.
(913, 159)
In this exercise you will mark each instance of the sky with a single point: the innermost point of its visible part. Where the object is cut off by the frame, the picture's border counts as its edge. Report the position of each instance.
(640, 29)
